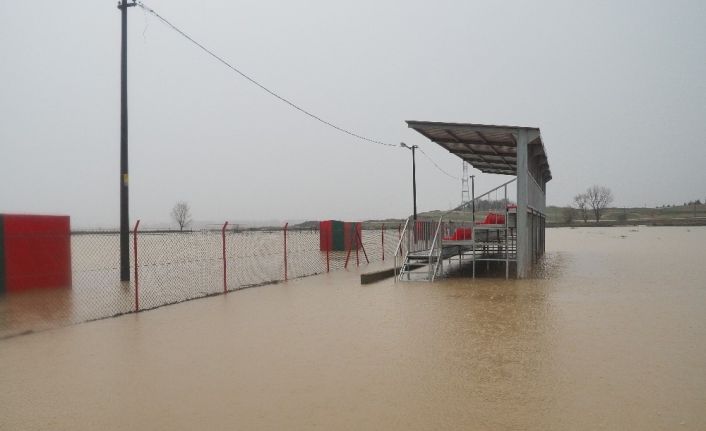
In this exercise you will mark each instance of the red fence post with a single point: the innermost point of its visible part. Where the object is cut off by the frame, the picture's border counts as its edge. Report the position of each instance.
(348, 255)
(225, 264)
(137, 281)
(382, 236)
(360, 240)
(357, 244)
(285, 251)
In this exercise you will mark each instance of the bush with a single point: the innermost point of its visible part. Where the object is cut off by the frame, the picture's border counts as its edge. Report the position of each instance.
(567, 215)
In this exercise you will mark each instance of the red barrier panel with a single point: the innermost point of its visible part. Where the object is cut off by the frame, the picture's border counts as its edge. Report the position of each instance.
(37, 251)
(494, 218)
(460, 234)
(325, 236)
(350, 231)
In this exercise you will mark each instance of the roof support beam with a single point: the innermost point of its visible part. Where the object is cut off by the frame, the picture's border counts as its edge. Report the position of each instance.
(523, 246)
(480, 135)
(485, 153)
(466, 141)
(453, 135)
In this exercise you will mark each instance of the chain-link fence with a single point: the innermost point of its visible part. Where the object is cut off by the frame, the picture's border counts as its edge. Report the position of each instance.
(168, 267)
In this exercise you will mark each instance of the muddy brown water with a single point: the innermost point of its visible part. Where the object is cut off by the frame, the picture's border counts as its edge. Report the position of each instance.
(611, 334)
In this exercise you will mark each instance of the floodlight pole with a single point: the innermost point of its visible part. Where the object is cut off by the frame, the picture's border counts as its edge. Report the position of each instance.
(473, 200)
(414, 176)
(124, 197)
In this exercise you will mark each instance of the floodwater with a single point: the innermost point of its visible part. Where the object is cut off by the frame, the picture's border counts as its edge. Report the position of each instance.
(610, 334)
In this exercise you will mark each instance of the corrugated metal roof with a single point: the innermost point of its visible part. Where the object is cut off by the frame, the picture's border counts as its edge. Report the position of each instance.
(488, 148)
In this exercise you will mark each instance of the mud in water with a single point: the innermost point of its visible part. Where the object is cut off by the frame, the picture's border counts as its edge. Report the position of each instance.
(609, 334)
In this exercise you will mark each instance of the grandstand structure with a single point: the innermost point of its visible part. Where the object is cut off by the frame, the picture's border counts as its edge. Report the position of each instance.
(503, 227)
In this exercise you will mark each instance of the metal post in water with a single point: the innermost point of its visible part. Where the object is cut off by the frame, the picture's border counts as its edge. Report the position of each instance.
(225, 264)
(124, 197)
(414, 176)
(285, 250)
(137, 280)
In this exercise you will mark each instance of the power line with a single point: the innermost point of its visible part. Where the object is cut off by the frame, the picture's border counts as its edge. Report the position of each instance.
(271, 92)
(437, 166)
(274, 94)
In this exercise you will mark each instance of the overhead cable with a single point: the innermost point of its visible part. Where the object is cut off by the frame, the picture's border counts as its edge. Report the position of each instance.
(274, 94)
(438, 167)
(252, 80)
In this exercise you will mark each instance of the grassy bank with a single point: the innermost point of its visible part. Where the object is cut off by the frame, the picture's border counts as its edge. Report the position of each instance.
(689, 215)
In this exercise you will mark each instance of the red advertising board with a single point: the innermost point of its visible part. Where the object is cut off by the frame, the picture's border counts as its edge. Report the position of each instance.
(36, 250)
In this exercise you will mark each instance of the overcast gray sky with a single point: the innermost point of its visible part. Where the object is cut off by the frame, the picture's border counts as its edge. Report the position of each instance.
(618, 89)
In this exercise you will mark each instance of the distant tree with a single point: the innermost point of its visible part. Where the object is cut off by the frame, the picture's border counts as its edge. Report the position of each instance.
(598, 197)
(581, 202)
(567, 214)
(181, 213)
(698, 202)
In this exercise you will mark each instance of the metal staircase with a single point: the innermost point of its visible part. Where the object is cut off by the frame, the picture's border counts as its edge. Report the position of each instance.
(426, 247)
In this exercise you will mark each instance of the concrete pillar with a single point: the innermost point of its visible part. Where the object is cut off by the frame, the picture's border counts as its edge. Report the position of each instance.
(523, 229)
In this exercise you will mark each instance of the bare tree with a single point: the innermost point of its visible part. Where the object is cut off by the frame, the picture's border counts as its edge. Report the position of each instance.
(181, 213)
(599, 197)
(581, 202)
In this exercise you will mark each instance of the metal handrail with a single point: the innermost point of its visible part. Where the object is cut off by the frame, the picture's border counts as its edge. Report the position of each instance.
(433, 244)
(399, 243)
(399, 248)
(462, 206)
(438, 259)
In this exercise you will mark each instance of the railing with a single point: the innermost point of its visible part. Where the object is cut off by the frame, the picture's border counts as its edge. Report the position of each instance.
(399, 252)
(477, 200)
(417, 237)
(427, 236)
(438, 255)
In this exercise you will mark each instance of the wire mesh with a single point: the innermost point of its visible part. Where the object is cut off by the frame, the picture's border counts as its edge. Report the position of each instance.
(175, 266)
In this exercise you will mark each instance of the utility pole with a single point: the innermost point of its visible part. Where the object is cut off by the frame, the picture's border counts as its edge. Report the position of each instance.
(124, 197)
(414, 176)
(473, 200)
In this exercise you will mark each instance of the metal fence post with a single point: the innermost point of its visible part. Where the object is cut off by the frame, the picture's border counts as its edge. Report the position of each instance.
(137, 281)
(285, 250)
(225, 262)
(382, 240)
(348, 255)
(357, 245)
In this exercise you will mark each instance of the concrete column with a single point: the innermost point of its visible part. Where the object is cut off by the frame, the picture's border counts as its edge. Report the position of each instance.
(523, 229)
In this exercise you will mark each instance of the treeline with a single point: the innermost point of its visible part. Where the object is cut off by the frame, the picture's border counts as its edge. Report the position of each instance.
(686, 204)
